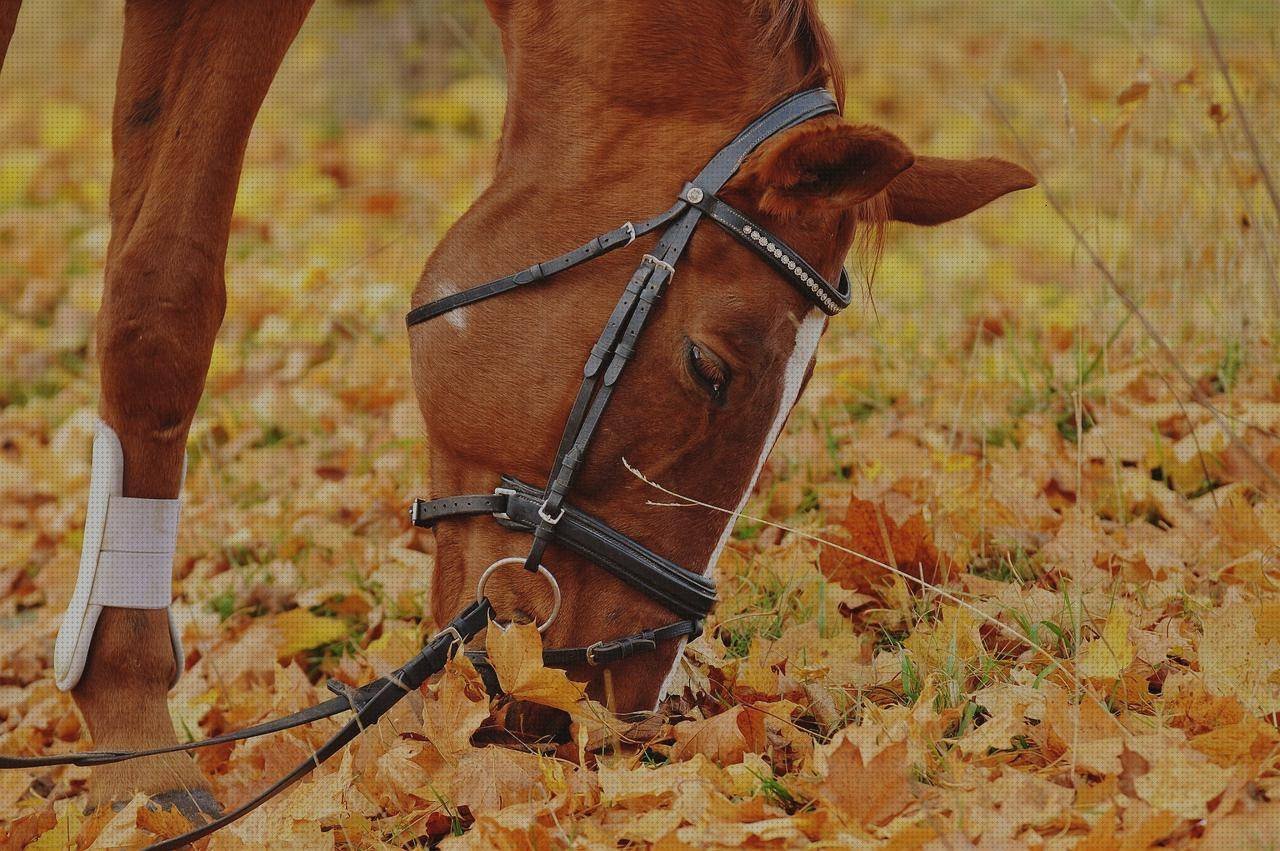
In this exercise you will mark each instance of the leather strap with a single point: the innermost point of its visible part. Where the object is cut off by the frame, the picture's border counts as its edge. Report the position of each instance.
(617, 238)
(600, 654)
(797, 109)
(831, 298)
(610, 651)
(349, 699)
(516, 505)
(430, 660)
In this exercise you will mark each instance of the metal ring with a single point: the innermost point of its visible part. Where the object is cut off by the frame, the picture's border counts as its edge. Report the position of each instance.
(542, 571)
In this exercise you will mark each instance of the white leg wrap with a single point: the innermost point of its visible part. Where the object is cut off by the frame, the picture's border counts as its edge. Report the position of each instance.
(126, 560)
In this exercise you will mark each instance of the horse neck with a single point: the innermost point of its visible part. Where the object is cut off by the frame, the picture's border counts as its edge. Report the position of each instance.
(601, 90)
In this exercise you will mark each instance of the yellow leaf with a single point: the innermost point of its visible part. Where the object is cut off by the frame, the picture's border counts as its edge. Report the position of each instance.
(303, 630)
(1107, 657)
(950, 643)
(516, 655)
(1179, 778)
(456, 708)
(17, 170)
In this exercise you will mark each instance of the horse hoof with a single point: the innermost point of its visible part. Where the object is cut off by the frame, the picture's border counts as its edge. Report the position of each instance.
(196, 805)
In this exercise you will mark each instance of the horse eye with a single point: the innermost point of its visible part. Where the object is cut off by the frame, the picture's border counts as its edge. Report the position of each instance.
(708, 370)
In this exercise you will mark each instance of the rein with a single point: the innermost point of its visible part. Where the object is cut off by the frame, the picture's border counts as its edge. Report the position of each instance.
(544, 513)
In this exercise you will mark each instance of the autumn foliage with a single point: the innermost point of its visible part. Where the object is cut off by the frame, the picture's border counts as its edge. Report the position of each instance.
(1003, 583)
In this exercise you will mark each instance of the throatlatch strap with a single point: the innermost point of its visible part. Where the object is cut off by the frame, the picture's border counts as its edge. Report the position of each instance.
(617, 238)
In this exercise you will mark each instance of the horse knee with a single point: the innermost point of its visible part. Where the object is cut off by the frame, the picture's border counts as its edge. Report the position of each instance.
(156, 329)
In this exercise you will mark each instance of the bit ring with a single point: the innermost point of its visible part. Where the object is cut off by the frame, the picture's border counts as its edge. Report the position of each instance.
(542, 571)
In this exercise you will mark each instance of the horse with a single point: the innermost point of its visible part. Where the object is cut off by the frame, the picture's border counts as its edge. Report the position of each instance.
(611, 106)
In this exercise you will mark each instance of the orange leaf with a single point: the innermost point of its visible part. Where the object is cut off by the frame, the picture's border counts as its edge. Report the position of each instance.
(516, 655)
(22, 831)
(871, 793)
(724, 738)
(869, 531)
(1137, 91)
(163, 823)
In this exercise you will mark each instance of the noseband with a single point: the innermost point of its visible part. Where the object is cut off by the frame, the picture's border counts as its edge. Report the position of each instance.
(544, 513)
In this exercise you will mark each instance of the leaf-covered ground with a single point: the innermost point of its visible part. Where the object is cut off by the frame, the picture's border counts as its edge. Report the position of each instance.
(1046, 611)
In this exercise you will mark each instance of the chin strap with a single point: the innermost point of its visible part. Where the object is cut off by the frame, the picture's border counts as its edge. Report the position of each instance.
(600, 654)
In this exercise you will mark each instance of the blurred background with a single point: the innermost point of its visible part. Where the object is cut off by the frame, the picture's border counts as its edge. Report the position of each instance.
(380, 129)
(987, 380)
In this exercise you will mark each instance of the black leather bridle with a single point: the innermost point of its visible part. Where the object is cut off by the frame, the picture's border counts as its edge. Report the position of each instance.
(544, 512)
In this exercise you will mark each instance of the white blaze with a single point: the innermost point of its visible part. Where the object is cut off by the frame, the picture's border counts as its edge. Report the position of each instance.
(807, 335)
(808, 332)
(457, 319)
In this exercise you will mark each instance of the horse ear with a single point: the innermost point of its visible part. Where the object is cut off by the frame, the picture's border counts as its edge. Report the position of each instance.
(936, 190)
(826, 163)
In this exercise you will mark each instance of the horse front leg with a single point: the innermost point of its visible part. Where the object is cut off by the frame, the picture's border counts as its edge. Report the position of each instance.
(192, 77)
(8, 19)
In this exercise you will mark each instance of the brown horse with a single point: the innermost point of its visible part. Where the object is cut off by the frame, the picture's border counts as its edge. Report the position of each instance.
(612, 106)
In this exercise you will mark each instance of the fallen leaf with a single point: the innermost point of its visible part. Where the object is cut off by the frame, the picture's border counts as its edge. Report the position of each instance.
(456, 707)
(303, 630)
(515, 652)
(723, 738)
(870, 792)
(1136, 91)
(1107, 657)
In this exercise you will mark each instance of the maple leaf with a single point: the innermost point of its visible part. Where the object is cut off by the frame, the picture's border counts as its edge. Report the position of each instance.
(515, 652)
(166, 823)
(1082, 728)
(869, 531)
(456, 708)
(868, 792)
(24, 830)
(723, 738)
(1177, 777)
(951, 642)
(490, 778)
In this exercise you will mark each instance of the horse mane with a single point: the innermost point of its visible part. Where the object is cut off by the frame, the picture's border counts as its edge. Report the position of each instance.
(797, 24)
(794, 24)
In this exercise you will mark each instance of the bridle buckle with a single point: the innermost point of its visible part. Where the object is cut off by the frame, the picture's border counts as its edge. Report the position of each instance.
(456, 644)
(508, 493)
(660, 264)
(547, 518)
(631, 233)
(591, 653)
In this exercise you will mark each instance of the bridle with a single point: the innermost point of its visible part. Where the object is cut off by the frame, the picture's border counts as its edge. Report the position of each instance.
(544, 512)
